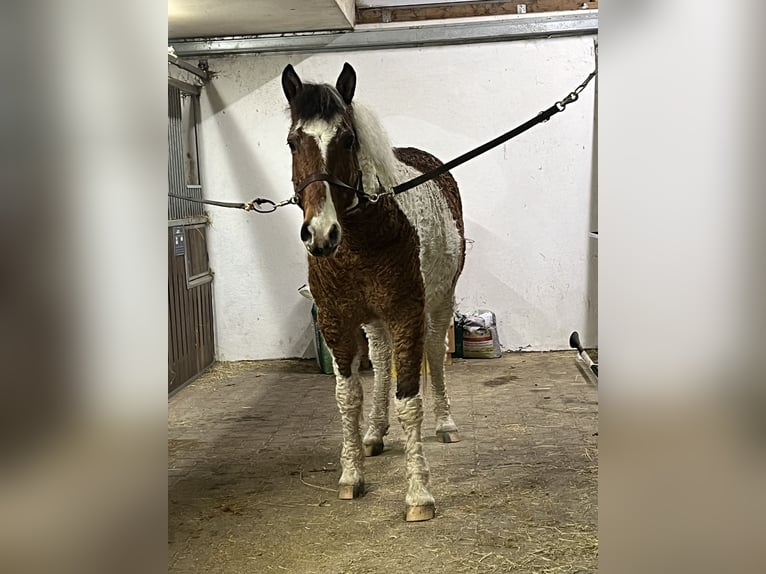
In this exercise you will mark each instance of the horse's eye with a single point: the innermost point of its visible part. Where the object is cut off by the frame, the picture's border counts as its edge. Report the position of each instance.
(293, 145)
(347, 141)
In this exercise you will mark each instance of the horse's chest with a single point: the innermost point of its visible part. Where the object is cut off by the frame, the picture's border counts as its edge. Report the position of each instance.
(374, 281)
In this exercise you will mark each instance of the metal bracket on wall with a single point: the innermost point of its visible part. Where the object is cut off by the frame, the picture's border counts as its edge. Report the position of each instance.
(201, 73)
(185, 76)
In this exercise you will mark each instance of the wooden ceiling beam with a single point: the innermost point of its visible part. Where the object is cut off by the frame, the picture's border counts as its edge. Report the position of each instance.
(466, 10)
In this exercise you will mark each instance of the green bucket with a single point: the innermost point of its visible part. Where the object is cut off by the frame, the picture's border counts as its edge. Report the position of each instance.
(324, 356)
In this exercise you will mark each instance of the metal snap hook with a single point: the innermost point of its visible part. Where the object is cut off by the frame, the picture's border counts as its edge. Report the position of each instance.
(262, 205)
(294, 200)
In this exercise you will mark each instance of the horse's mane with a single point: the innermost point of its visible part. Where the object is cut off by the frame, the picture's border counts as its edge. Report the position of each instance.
(376, 158)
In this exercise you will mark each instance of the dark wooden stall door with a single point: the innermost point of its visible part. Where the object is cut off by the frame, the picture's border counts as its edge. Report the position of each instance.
(191, 346)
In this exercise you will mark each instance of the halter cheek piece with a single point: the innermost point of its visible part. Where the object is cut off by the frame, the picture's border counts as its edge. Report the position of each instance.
(361, 196)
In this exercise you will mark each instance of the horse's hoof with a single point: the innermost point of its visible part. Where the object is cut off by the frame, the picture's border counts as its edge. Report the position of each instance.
(448, 436)
(350, 491)
(373, 449)
(419, 513)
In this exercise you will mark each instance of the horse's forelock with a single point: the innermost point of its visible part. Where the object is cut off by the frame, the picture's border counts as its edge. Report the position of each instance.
(317, 101)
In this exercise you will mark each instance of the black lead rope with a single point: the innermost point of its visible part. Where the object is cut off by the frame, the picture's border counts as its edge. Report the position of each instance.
(267, 206)
(543, 116)
(434, 173)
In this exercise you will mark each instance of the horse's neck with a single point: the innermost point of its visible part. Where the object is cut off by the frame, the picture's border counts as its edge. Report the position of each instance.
(376, 225)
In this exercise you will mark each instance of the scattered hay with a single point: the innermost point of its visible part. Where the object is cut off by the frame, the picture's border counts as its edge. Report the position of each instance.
(224, 371)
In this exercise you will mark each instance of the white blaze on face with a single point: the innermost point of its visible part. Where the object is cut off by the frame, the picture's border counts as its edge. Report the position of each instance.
(322, 131)
(325, 220)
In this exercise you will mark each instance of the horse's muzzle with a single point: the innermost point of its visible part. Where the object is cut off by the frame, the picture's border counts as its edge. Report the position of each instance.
(326, 251)
(319, 246)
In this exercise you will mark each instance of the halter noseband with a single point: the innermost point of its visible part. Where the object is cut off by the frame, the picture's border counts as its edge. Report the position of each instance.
(361, 196)
(330, 179)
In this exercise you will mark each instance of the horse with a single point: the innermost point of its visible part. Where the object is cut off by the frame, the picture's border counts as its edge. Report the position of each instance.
(378, 264)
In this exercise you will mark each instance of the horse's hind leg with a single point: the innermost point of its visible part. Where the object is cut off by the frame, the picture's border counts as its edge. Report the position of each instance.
(380, 355)
(348, 394)
(439, 317)
(407, 337)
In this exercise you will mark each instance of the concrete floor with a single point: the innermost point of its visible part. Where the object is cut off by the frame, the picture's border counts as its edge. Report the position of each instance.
(253, 457)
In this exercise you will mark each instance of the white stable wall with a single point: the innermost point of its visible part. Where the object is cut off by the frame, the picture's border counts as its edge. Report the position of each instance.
(528, 204)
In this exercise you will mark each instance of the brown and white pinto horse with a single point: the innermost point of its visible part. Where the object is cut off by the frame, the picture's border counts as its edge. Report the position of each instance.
(389, 266)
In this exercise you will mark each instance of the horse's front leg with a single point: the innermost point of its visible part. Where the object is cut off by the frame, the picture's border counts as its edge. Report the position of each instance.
(348, 394)
(407, 336)
(380, 354)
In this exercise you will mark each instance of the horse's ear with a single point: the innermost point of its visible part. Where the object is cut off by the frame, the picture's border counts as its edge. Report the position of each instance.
(291, 83)
(346, 83)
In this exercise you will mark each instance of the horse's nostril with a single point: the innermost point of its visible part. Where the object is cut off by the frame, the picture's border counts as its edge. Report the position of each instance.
(305, 233)
(334, 234)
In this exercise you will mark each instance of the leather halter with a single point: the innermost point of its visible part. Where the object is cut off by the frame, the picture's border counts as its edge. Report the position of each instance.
(361, 196)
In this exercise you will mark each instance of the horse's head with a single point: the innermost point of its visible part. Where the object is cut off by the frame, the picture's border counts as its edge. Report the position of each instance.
(322, 140)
